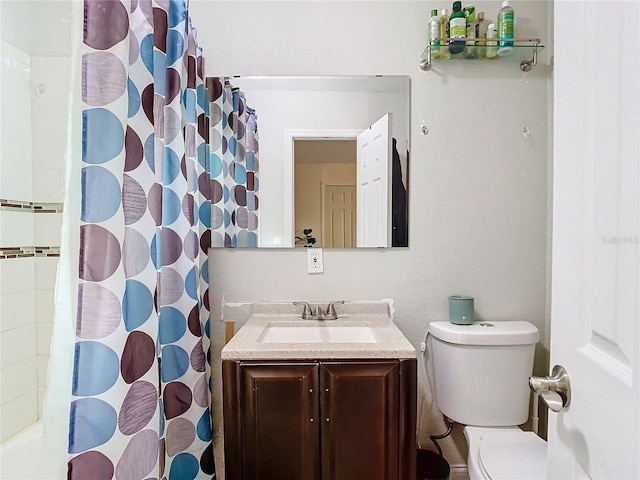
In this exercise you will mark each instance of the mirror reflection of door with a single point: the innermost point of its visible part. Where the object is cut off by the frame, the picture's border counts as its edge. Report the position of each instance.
(339, 216)
(344, 192)
(374, 177)
(325, 186)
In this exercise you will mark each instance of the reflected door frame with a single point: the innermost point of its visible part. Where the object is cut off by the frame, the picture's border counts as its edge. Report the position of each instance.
(290, 136)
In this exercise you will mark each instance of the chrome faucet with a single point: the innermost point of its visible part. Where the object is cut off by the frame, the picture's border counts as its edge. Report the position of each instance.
(331, 310)
(306, 311)
(315, 313)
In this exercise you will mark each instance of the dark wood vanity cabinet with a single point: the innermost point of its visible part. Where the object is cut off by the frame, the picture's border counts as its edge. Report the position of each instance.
(329, 420)
(278, 414)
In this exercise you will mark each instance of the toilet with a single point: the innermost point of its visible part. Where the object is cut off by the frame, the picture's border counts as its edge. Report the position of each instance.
(481, 376)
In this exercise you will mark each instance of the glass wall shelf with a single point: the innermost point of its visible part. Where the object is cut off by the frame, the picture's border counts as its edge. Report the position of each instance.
(523, 50)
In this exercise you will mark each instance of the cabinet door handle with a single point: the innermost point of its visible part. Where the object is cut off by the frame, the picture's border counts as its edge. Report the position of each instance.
(327, 419)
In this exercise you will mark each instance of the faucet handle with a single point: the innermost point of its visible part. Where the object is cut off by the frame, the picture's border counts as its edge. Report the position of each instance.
(331, 309)
(306, 311)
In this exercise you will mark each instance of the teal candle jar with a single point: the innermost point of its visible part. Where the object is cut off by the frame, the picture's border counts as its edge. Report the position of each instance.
(461, 309)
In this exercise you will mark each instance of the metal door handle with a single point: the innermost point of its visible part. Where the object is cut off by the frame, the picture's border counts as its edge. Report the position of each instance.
(554, 390)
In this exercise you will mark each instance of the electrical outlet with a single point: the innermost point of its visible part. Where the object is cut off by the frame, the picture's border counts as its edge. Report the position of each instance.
(315, 263)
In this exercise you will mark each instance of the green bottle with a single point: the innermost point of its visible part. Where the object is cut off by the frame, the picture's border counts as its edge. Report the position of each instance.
(505, 29)
(457, 28)
(434, 33)
(470, 16)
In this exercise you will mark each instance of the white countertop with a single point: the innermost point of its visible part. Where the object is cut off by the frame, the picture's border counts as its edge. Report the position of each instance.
(246, 344)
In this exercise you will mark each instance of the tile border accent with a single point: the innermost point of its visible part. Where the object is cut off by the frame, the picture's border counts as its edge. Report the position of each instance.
(24, 206)
(28, 252)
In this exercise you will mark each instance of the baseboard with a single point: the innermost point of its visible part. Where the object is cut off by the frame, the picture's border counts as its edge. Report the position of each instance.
(459, 472)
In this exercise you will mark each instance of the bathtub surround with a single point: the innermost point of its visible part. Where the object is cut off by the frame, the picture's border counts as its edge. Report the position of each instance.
(26, 297)
(31, 191)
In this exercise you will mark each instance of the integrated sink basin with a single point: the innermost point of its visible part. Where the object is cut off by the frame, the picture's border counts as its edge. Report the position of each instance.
(275, 333)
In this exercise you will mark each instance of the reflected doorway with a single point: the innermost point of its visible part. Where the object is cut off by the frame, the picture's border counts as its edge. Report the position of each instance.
(325, 175)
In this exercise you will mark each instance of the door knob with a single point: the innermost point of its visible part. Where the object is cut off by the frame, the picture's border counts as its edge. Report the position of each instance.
(555, 390)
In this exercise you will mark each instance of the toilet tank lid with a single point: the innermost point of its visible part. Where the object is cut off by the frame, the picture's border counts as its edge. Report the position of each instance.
(486, 333)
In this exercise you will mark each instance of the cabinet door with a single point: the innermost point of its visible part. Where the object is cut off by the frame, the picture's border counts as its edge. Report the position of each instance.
(279, 421)
(359, 420)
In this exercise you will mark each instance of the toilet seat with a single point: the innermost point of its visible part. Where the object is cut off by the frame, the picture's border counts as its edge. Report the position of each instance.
(513, 455)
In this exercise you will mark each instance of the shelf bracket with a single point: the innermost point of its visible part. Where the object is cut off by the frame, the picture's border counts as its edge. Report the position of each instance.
(425, 63)
(526, 65)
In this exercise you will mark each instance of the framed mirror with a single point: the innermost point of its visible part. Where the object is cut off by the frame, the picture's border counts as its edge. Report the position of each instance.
(333, 159)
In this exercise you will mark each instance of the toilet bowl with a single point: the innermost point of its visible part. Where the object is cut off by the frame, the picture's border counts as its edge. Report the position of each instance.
(505, 454)
(481, 380)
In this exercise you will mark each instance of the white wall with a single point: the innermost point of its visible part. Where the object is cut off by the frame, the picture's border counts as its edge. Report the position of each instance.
(478, 186)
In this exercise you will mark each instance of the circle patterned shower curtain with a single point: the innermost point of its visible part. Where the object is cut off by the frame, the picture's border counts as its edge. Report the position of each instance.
(141, 383)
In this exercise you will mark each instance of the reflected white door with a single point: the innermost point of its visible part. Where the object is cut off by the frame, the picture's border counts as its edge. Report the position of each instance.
(374, 185)
(595, 318)
(338, 216)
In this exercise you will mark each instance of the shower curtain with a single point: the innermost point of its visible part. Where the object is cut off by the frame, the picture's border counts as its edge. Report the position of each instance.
(141, 385)
(233, 146)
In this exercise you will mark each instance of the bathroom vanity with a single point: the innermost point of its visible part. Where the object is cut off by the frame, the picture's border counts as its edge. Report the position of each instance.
(332, 399)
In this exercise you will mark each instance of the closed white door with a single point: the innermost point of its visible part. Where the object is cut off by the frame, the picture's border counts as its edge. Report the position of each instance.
(374, 185)
(338, 216)
(595, 318)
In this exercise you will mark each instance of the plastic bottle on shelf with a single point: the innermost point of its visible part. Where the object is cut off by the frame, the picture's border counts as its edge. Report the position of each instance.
(444, 33)
(457, 28)
(492, 45)
(434, 33)
(470, 18)
(481, 35)
(505, 29)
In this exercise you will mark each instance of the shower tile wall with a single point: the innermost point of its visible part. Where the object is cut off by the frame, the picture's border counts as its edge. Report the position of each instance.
(31, 195)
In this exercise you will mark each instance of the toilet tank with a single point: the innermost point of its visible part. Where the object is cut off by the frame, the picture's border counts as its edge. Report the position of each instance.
(482, 371)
